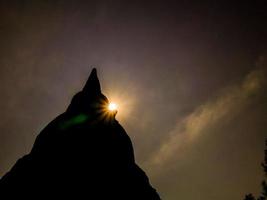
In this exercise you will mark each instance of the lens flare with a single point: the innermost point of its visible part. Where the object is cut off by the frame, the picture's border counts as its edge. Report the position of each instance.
(112, 106)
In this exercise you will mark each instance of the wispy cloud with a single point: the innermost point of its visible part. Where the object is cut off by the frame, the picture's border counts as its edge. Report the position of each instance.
(224, 107)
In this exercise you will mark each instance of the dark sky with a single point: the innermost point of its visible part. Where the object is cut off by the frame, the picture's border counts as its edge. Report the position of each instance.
(189, 78)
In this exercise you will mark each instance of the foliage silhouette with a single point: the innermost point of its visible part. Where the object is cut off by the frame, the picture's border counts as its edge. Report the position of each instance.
(82, 154)
(263, 195)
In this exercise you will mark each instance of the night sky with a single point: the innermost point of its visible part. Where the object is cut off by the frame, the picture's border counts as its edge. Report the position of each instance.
(189, 79)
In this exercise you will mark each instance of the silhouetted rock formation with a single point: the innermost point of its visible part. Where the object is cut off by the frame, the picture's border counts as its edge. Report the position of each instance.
(84, 154)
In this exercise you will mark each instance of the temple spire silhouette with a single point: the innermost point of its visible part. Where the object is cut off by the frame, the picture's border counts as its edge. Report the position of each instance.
(80, 155)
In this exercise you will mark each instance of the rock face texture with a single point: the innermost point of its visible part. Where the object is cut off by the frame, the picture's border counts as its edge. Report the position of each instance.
(82, 154)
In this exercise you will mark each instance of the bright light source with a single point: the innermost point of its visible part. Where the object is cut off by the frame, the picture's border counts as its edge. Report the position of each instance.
(112, 107)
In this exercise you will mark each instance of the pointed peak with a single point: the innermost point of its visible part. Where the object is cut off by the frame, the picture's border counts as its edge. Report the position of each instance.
(92, 85)
(93, 72)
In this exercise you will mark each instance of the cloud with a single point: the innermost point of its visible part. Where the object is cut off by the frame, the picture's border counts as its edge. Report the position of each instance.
(218, 110)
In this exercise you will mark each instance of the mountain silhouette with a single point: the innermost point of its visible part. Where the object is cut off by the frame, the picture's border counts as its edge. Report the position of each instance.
(83, 153)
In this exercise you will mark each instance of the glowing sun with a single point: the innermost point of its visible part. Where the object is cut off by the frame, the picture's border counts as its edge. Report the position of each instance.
(112, 106)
